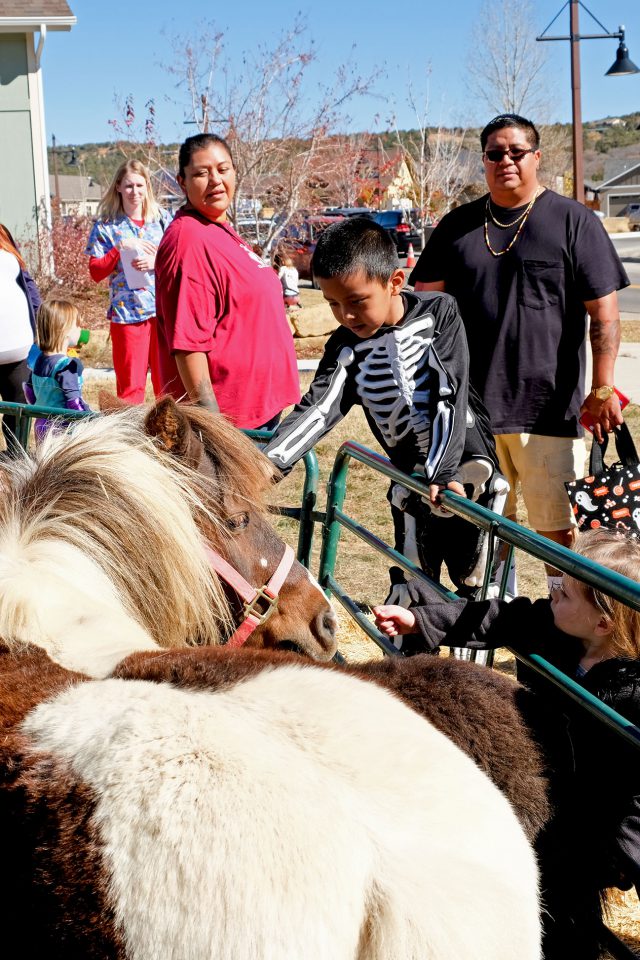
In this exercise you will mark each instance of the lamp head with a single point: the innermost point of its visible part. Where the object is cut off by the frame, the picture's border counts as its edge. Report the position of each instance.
(623, 65)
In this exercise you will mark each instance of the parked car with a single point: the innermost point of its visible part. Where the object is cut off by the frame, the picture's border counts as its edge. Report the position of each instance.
(252, 230)
(402, 231)
(632, 211)
(298, 240)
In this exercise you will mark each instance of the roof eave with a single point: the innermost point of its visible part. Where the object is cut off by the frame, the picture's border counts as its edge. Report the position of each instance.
(612, 180)
(33, 24)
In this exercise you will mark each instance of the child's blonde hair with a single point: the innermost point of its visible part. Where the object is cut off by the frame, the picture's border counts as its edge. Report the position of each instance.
(111, 204)
(620, 553)
(54, 320)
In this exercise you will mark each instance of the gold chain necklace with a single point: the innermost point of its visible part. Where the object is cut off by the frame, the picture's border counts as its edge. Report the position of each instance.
(522, 219)
(499, 223)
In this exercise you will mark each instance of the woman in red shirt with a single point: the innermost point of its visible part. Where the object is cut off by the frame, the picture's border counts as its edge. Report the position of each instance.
(224, 339)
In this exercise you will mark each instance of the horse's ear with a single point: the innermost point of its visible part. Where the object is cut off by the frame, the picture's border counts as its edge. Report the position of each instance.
(109, 403)
(169, 426)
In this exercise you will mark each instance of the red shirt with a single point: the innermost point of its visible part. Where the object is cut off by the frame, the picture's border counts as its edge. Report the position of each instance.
(215, 296)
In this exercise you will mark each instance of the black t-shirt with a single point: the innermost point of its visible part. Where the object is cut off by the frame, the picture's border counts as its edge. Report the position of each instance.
(524, 312)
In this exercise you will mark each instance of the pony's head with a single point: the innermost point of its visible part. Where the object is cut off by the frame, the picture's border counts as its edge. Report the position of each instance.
(233, 480)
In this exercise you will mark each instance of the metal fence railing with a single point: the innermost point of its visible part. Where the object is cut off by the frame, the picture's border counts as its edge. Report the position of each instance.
(498, 529)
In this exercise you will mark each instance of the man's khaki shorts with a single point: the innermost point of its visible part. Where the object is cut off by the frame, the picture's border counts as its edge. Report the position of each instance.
(541, 466)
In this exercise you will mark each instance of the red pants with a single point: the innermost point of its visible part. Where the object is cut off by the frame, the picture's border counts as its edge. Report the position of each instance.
(135, 350)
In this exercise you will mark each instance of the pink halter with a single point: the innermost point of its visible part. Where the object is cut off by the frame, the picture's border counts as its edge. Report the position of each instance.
(258, 604)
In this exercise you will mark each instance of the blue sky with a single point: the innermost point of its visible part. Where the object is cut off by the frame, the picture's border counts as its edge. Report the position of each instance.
(119, 48)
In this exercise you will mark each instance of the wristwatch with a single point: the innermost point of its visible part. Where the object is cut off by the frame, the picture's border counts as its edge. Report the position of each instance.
(603, 393)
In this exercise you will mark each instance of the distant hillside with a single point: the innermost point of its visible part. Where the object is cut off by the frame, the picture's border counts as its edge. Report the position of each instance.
(607, 143)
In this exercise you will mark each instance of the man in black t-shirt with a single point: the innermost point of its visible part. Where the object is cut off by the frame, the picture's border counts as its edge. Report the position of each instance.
(526, 266)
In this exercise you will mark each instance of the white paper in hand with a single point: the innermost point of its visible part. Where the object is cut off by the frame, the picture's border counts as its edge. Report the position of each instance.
(135, 278)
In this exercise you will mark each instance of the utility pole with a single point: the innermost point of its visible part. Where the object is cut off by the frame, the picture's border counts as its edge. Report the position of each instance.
(576, 105)
(205, 113)
(622, 67)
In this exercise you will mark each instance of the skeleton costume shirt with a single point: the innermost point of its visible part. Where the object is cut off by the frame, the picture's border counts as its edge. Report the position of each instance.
(411, 380)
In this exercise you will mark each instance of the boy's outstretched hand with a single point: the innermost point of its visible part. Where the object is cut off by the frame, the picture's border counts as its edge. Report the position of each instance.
(394, 621)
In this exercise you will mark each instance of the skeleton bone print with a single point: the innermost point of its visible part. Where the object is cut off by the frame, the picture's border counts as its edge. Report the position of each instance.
(409, 392)
(393, 384)
(412, 381)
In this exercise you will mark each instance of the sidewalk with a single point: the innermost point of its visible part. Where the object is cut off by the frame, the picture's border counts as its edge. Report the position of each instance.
(627, 370)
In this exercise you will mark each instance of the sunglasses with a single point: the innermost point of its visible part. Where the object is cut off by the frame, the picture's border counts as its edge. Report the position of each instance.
(495, 156)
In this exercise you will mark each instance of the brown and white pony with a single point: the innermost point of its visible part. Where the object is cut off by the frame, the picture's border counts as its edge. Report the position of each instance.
(496, 722)
(207, 801)
(105, 549)
(234, 804)
(473, 707)
(106, 537)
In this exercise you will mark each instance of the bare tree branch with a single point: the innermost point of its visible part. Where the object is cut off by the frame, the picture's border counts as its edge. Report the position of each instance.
(439, 163)
(506, 64)
(262, 109)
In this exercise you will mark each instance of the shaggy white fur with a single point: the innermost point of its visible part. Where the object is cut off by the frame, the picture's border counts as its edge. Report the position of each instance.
(299, 814)
(100, 553)
(53, 595)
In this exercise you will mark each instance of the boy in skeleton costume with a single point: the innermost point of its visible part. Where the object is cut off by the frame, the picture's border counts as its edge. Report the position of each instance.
(403, 357)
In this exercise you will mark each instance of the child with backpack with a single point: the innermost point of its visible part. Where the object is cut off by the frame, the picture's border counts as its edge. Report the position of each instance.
(55, 378)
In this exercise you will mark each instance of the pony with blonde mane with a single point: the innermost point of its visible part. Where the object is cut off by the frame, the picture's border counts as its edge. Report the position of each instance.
(104, 535)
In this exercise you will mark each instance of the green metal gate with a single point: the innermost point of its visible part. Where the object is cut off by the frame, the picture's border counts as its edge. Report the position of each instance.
(498, 528)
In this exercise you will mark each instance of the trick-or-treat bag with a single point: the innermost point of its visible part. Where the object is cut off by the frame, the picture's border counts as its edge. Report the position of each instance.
(610, 495)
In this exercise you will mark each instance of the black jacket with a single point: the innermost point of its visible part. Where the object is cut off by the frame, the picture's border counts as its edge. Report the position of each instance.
(595, 776)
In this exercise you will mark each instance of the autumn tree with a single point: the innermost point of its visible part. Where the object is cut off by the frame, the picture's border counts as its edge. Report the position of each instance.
(508, 74)
(342, 165)
(440, 164)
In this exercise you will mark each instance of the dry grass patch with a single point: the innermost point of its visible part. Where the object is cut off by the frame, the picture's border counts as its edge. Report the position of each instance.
(630, 331)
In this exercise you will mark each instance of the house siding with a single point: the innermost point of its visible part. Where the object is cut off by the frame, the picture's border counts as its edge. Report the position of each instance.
(18, 199)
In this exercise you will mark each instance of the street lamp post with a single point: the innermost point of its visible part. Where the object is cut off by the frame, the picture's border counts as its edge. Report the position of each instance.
(622, 67)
